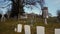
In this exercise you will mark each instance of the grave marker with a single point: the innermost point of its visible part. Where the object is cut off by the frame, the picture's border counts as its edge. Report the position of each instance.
(19, 28)
(40, 30)
(27, 29)
(57, 31)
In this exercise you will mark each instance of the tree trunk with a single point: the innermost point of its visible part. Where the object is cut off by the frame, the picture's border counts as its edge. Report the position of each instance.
(21, 10)
(17, 8)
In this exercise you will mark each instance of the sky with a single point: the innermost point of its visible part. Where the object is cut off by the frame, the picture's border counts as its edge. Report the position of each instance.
(5, 6)
(53, 6)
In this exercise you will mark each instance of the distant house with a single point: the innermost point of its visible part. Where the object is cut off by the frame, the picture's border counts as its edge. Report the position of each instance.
(28, 16)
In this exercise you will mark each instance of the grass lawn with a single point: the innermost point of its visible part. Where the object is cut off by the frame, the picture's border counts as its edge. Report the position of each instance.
(8, 26)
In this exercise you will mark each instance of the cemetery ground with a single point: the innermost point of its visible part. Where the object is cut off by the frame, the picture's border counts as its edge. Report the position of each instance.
(8, 26)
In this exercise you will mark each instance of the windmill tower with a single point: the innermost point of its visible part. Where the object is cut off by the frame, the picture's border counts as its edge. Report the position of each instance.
(45, 14)
(44, 11)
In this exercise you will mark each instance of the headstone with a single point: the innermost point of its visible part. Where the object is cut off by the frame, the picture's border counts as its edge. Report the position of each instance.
(40, 30)
(27, 29)
(15, 30)
(19, 28)
(57, 31)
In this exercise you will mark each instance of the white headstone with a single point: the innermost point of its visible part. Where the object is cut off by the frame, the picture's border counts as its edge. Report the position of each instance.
(27, 29)
(40, 30)
(57, 31)
(19, 28)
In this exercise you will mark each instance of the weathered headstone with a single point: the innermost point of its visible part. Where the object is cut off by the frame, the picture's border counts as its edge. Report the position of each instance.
(40, 30)
(27, 29)
(57, 31)
(19, 28)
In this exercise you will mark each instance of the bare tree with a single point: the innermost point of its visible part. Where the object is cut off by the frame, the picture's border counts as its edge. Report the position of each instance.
(19, 4)
(17, 8)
